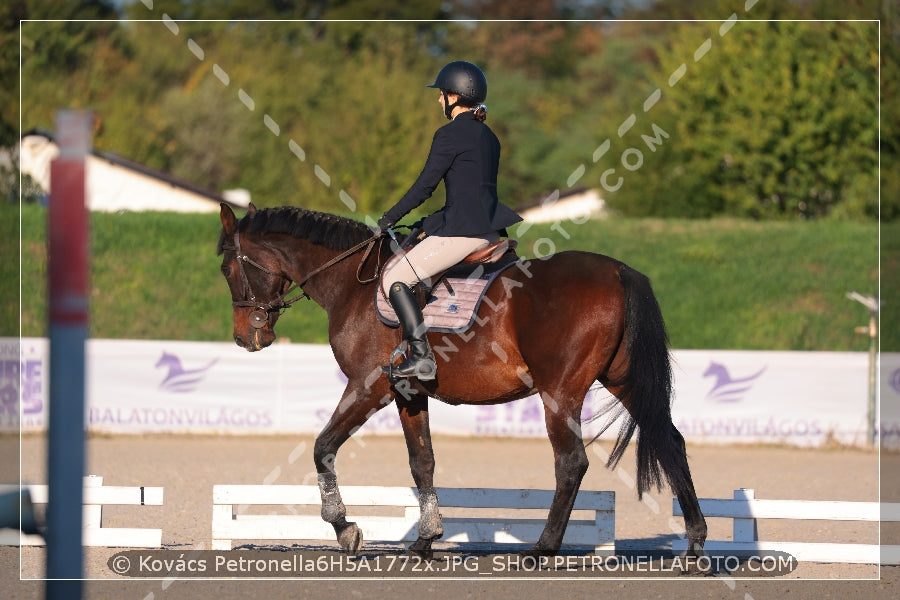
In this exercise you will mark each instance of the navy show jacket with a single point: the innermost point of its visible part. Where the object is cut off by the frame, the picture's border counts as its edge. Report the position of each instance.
(465, 153)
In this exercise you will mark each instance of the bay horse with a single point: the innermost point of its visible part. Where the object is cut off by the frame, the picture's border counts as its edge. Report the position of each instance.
(552, 326)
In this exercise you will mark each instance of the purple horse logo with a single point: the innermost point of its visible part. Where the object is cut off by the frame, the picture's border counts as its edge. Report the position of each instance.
(895, 380)
(727, 388)
(179, 379)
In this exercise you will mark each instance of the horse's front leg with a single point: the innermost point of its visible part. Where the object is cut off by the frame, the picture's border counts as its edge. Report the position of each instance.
(414, 419)
(357, 404)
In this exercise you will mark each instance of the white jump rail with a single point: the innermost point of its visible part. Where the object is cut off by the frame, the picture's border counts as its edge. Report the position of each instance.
(746, 509)
(227, 526)
(96, 495)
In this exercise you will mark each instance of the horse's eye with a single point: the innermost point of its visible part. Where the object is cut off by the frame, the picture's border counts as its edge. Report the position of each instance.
(226, 270)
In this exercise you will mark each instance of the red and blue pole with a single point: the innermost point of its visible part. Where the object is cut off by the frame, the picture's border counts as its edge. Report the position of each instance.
(68, 267)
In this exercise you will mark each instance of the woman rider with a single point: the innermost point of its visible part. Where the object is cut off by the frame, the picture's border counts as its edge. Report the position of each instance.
(465, 154)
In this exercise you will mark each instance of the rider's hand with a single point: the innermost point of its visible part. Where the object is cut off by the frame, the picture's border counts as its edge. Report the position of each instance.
(383, 224)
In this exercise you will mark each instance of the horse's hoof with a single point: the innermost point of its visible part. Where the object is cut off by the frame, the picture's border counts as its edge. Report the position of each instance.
(422, 549)
(350, 538)
(536, 551)
(695, 563)
(694, 570)
(432, 531)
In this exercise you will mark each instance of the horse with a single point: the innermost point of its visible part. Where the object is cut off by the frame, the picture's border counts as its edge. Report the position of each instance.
(553, 326)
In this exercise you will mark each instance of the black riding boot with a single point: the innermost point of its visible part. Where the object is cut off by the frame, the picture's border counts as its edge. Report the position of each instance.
(419, 362)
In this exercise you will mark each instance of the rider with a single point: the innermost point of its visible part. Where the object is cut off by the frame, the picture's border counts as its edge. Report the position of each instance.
(465, 153)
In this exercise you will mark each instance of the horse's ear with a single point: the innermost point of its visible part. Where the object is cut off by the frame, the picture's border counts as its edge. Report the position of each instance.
(251, 209)
(229, 222)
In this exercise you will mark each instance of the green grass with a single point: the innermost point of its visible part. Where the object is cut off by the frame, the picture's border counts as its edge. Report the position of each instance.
(722, 284)
(747, 285)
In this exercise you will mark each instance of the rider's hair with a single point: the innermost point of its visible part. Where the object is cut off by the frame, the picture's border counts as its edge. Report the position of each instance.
(480, 112)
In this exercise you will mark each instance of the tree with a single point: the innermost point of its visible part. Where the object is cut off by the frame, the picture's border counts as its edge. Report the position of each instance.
(774, 121)
(779, 120)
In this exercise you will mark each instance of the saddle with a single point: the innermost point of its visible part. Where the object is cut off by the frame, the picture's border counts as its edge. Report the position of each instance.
(492, 253)
(452, 301)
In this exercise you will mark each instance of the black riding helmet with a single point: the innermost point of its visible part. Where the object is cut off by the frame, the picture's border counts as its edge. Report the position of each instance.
(464, 79)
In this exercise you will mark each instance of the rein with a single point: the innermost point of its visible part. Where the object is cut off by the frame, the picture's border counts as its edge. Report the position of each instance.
(369, 244)
(259, 316)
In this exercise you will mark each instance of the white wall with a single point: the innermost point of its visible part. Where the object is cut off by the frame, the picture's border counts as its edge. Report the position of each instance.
(576, 207)
(113, 187)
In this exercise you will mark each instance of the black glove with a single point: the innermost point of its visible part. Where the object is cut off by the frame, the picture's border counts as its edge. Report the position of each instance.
(383, 224)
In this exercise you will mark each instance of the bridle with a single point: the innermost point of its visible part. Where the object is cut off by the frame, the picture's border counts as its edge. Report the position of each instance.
(260, 314)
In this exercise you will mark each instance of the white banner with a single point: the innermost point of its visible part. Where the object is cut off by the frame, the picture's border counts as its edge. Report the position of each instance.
(800, 398)
(889, 399)
(803, 398)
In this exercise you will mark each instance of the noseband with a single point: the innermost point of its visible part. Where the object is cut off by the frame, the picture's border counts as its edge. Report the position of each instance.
(260, 314)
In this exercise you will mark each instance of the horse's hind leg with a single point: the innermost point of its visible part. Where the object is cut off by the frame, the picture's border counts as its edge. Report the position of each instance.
(660, 443)
(414, 419)
(678, 472)
(570, 464)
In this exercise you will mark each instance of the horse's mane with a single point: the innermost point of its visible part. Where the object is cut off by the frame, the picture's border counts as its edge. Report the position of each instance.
(323, 229)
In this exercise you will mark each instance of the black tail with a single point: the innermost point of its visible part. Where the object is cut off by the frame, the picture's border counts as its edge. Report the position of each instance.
(647, 389)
